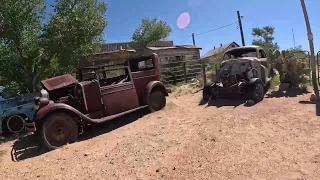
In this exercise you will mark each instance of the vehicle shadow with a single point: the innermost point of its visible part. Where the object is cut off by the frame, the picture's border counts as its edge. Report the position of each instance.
(316, 103)
(230, 100)
(291, 92)
(27, 146)
(6, 137)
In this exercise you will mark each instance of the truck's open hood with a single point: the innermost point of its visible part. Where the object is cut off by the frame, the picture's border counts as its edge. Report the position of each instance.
(242, 59)
(58, 82)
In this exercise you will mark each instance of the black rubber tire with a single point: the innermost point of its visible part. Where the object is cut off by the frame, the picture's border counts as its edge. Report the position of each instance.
(157, 100)
(206, 92)
(57, 130)
(256, 91)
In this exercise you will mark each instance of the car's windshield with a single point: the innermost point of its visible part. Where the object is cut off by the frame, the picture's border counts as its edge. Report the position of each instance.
(238, 53)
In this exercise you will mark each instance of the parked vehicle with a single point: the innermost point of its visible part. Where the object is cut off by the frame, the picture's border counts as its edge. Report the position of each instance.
(244, 70)
(14, 110)
(99, 94)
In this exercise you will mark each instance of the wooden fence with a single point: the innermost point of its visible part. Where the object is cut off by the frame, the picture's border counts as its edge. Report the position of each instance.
(182, 70)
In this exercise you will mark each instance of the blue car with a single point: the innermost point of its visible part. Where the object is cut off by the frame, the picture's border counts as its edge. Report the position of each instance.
(15, 110)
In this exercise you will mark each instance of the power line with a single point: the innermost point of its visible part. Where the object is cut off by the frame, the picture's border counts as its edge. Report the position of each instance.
(185, 40)
(217, 28)
(211, 30)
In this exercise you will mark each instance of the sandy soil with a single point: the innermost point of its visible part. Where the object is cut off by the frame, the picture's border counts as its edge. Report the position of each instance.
(275, 139)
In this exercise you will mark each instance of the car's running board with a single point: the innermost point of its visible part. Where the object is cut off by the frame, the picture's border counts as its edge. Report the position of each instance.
(108, 118)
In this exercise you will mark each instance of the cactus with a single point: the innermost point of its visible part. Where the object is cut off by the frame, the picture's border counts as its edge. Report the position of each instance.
(291, 70)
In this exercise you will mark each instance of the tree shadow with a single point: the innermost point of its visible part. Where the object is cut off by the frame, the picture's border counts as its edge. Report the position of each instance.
(291, 92)
(27, 146)
(316, 103)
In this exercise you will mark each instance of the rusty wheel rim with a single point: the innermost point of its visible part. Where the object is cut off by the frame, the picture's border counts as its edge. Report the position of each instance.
(157, 101)
(60, 131)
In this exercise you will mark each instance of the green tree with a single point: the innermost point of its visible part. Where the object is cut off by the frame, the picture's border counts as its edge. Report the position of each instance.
(32, 49)
(149, 31)
(264, 37)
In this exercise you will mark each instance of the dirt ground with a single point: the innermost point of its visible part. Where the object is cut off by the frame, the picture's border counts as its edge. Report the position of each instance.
(278, 138)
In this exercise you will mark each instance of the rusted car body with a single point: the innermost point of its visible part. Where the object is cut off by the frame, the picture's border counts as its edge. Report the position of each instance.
(97, 95)
(244, 70)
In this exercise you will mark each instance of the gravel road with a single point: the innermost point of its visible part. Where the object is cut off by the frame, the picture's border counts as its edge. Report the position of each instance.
(278, 138)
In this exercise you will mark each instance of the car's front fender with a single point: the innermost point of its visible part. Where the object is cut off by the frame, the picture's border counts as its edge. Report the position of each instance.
(25, 110)
(42, 112)
(254, 80)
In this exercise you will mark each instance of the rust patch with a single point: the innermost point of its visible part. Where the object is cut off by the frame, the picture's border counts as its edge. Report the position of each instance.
(58, 82)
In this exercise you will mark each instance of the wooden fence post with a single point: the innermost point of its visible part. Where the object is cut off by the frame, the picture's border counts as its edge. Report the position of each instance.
(185, 71)
(204, 71)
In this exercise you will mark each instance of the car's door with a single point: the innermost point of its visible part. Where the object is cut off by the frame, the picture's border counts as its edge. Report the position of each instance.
(119, 94)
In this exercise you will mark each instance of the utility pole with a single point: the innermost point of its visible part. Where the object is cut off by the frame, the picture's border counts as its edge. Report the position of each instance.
(310, 38)
(294, 41)
(203, 64)
(194, 42)
(241, 30)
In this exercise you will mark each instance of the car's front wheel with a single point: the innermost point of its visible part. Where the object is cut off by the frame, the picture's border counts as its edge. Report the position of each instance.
(157, 100)
(57, 130)
(206, 92)
(256, 91)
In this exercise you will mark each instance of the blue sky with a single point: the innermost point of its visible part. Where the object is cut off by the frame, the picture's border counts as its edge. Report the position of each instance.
(125, 15)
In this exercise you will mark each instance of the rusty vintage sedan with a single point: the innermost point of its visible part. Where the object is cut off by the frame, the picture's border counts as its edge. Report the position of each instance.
(98, 94)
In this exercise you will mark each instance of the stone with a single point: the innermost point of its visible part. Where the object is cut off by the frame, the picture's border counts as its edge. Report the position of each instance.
(313, 97)
(249, 102)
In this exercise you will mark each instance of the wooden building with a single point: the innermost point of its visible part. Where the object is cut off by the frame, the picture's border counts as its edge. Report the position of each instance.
(215, 54)
(178, 63)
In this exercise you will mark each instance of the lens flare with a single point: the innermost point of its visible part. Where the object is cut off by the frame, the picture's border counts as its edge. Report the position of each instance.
(183, 20)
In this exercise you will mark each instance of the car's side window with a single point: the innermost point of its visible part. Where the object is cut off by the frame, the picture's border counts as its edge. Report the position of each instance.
(262, 54)
(141, 65)
(144, 65)
(113, 76)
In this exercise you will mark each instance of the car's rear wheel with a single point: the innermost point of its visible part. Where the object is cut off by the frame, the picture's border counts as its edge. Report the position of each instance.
(57, 130)
(157, 100)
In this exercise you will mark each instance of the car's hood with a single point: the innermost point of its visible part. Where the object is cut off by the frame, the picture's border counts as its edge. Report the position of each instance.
(58, 82)
(22, 99)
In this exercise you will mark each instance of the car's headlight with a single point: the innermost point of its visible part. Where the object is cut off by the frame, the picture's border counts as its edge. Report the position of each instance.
(44, 94)
(41, 96)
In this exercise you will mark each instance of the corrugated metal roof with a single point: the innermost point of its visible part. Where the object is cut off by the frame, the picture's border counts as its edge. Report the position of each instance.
(218, 50)
(127, 45)
(116, 51)
(175, 47)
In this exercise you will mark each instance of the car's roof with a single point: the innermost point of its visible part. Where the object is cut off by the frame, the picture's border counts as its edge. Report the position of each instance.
(244, 47)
